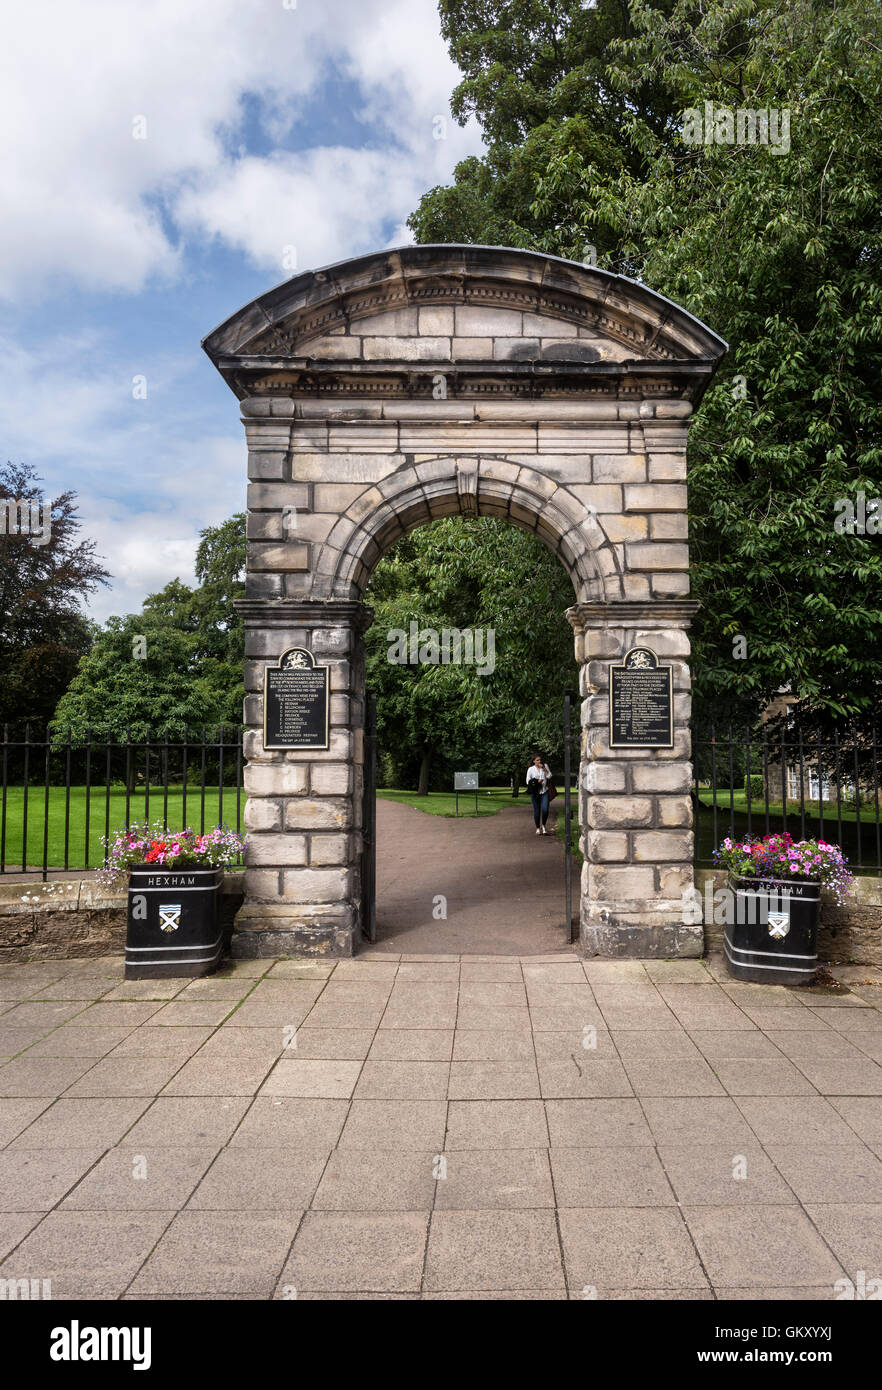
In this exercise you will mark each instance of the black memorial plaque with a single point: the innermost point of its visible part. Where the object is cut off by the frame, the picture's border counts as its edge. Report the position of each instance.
(295, 702)
(641, 702)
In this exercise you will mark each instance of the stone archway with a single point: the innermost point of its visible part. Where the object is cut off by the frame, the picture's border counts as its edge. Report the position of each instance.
(400, 387)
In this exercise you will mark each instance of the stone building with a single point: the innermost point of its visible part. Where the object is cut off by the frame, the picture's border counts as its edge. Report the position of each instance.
(431, 381)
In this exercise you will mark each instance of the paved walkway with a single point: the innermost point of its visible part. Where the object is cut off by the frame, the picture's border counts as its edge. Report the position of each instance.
(503, 884)
(445, 1128)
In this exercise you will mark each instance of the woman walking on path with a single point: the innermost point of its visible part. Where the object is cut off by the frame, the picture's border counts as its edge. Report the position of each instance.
(538, 779)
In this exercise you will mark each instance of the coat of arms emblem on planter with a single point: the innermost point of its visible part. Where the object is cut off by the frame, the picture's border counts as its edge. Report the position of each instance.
(169, 916)
(779, 925)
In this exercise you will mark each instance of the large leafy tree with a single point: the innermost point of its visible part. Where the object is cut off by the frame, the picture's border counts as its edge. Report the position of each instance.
(780, 253)
(43, 631)
(535, 74)
(177, 664)
(476, 574)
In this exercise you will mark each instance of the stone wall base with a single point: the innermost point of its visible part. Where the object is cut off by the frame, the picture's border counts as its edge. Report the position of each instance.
(283, 929)
(637, 936)
(69, 919)
(72, 918)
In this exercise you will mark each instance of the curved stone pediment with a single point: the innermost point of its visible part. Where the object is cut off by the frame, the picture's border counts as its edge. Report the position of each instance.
(459, 304)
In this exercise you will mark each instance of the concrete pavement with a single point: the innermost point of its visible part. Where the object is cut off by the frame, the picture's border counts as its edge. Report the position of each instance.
(444, 1128)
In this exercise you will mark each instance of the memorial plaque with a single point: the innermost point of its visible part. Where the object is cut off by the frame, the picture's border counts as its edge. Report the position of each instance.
(295, 702)
(641, 702)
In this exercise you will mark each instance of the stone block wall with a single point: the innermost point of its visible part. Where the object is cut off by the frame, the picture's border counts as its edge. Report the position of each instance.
(635, 807)
(75, 917)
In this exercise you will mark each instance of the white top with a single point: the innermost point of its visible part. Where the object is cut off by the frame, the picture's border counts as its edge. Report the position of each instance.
(534, 774)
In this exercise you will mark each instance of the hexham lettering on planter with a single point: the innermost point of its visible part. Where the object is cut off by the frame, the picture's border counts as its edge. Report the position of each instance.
(432, 381)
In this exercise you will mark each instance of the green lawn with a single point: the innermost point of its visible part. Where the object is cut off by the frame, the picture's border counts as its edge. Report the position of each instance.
(490, 800)
(98, 813)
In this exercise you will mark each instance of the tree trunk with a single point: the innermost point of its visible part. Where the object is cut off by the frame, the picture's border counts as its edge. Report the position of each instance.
(516, 782)
(425, 767)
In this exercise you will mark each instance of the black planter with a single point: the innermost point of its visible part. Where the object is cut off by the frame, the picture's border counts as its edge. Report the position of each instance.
(174, 924)
(774, 938)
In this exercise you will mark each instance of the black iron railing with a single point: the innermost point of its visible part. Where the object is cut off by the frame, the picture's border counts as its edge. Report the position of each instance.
(760, 783)
(60, 792)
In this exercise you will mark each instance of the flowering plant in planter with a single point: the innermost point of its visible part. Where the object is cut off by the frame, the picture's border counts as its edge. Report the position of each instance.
(777, 857)
(141, 844)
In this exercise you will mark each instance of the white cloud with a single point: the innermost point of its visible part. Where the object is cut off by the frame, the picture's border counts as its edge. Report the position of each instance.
(326, 204)
(234, 156)
(86, 202)
(149, 475)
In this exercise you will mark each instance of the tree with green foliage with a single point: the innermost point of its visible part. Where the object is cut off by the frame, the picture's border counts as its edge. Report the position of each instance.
(176, 665)
(535, 74)
(461, 575)
(43, 580)
(778, 251)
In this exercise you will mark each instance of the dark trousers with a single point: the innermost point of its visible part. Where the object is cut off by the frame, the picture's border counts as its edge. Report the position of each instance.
(540, 807)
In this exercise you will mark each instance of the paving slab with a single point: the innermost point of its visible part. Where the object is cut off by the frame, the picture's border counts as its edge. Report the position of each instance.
(394, 1080)
(764, 1077)
(269, 1180)
(610, 1177)
(137, 1178)
(862, 1114)
(192, 1122)
(41, 1076)
(745, 1247)
(307, 1077)
(838, 1077)
(854, 1233)
(686, 1076)
(507, 1179)
(219, 1252)
(87, 1254)
(82, 1124)
(496, 1124)
(80, 1042)
(475, 1250)
(379, 1251)
(562, 1044)
(584, 1074)
(15, 1040)
(220, 1076)
(723, 1175)
(851, 1171)
(416, 1125)
(513, 1080)
(696, 1120)
(37, 1179)
(394, 1180)
(328, 1044)
(651, 1045)
(146, 1041)
(14, 1226)
(406, 1124)
(578, 1123)
(16, 1115)
(784, 1119)
(646, 1247)
(412, 1045)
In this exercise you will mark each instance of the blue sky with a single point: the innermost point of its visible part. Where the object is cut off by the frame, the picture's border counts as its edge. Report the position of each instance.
(267, 125)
